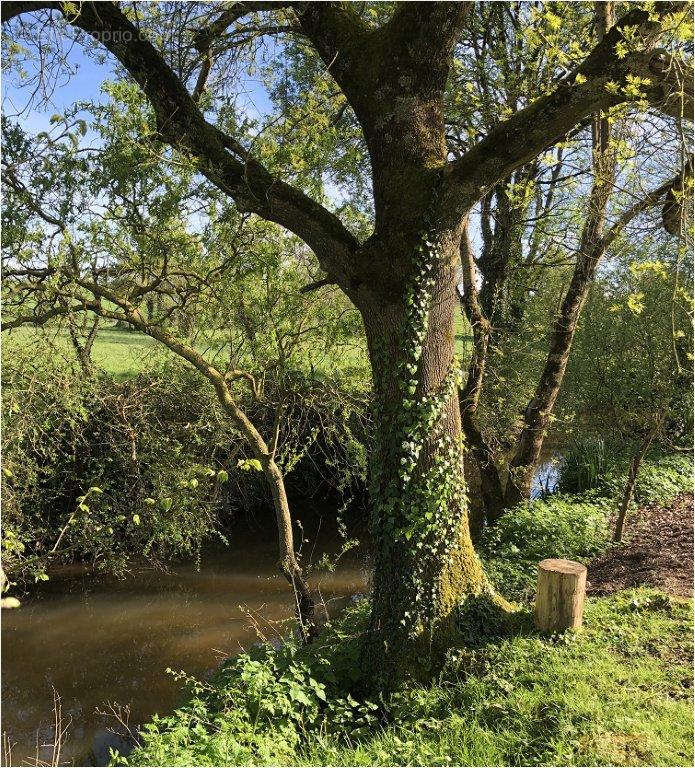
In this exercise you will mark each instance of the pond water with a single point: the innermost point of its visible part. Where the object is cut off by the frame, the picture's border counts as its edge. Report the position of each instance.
(547, 475)
(103, 641)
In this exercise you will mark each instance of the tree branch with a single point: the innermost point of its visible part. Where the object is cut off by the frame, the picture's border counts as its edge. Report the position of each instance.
(585, 91)
(23, 192)
(182, 125)
(204, 38)
(316, 285)
(43, 317)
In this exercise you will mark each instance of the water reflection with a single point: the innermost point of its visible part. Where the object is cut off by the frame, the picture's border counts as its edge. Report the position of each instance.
(547, 476)
(112, 641)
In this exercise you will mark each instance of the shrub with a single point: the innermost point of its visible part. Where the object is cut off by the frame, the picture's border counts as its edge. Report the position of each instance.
(572, 527)
(261, 705)
(99, 470)
(322, 441)
(111, 469)
(659, 479)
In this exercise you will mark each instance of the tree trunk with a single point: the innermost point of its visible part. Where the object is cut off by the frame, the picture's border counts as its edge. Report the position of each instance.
(83, 350)
(540, 408)
(469, 397)
(424, 558)
(490, 484)
(632, 479)
(591, 249)
(304, 602)
(560, 595)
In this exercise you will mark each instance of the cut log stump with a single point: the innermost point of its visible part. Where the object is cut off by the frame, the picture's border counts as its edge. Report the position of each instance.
(560, 595)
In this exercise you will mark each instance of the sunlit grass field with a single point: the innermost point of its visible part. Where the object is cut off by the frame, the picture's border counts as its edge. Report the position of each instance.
(119, 352)
(124, 353)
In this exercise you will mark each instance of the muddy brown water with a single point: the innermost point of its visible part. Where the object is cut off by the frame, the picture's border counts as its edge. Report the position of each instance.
(96, 642)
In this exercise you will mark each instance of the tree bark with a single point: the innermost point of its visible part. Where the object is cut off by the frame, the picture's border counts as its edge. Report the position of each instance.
(424, 558)
(560, 595)
(632, 479)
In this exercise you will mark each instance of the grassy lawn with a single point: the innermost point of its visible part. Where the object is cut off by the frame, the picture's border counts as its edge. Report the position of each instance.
(123, 353)
(119, 352)
(618, 693)
(463, 335)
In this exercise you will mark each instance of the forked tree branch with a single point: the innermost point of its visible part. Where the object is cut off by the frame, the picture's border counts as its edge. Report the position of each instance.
(181, 124)
(596, 85)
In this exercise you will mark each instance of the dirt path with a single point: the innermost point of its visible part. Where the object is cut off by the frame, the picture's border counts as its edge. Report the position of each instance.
(657, 551)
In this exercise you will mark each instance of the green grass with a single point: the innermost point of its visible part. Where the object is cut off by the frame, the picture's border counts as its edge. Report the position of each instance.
(123, 353)
(619, 692)
(116, 351)
(463, 335)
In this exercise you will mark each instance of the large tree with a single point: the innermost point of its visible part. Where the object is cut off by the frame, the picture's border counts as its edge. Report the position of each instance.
(392, 67)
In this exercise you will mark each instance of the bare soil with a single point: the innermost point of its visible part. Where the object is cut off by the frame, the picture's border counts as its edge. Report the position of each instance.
(656, 551)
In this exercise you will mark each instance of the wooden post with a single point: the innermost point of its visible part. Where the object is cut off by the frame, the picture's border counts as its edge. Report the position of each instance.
(560, 595)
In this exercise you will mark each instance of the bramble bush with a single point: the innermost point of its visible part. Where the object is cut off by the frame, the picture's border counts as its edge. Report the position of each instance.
(101, 470)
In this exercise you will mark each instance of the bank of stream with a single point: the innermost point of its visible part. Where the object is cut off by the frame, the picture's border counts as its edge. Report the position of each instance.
(98, 641)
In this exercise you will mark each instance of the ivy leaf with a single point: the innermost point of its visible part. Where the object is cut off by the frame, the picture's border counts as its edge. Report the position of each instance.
(248, 464)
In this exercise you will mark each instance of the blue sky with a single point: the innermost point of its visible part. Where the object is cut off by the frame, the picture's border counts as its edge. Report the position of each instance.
(84, 83)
